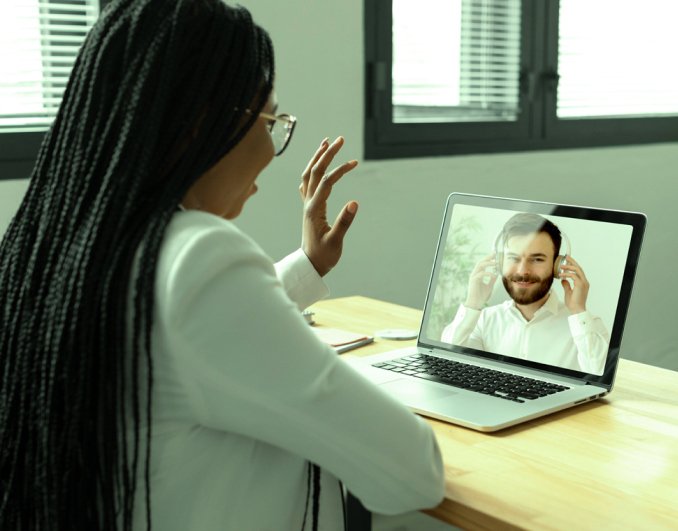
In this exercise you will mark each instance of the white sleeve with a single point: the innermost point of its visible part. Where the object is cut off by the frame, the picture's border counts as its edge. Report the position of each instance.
(250, 365)
(592, 341)
(301, 281)
(464, 330)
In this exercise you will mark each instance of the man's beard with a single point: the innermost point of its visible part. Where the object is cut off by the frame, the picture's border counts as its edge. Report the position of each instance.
(527, 295)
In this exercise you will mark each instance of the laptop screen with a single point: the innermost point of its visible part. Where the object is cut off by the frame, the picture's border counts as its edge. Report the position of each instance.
(535, 284)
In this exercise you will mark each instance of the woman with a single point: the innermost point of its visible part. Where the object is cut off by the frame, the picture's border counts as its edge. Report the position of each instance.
(155, 367)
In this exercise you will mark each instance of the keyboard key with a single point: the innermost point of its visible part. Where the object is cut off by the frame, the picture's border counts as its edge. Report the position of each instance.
(438, 379)
(481, 380)
(529, 396)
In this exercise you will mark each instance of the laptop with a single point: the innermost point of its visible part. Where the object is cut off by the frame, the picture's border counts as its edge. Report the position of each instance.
(524, 313)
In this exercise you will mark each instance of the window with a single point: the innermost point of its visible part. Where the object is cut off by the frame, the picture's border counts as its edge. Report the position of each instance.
(445, 77)
(39, 40)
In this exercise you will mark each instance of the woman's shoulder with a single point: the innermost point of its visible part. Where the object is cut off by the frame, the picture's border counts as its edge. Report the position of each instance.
(191, 224)
(199, 244)
(193, 229)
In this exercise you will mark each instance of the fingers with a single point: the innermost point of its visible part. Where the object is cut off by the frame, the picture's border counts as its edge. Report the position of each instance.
(487, 261)
(320, 167)
(323, 189)
(575, 295)
(483, 264)
(343, 222)
(574, 267)
(314, 174)
(571, 261)
(306, 175)
(481, 275)
(574, 271)
(576, 280)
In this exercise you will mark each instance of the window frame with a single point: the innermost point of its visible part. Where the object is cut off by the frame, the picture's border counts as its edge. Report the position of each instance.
(537, 127)
(18, 151)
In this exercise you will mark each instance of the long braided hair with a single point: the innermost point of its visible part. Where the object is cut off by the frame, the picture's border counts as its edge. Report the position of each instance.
(110, 173)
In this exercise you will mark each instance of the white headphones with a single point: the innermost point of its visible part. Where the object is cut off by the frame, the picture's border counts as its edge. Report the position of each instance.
(558, 263)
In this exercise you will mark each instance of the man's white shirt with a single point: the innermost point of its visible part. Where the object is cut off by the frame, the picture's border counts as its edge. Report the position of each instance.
(555, 337)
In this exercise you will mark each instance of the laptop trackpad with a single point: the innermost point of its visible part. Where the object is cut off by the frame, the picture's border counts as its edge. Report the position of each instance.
(410, 391)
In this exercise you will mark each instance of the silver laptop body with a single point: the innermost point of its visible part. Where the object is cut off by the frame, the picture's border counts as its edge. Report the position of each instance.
(606, 244)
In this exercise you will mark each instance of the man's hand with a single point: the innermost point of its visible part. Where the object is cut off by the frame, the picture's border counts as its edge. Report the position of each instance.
(479, 292)
(321, 242)
(575, 298)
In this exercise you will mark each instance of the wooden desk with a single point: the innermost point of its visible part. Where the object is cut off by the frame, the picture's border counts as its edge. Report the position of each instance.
(609, 464)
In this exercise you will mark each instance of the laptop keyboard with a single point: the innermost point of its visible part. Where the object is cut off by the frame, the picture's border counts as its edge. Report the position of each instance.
(479, 379)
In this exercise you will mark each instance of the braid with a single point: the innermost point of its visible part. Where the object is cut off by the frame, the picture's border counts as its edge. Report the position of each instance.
(75, 352)
(316, 496)
(315, 469)
(308, 494)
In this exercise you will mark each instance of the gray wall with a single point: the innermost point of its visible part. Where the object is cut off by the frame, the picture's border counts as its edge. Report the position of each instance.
(388, 252)
(11, 193)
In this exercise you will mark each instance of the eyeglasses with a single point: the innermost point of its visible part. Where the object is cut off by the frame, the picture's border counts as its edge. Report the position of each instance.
(280, 127)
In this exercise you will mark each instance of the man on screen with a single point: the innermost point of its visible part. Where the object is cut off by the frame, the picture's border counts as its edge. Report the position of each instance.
(534, 325)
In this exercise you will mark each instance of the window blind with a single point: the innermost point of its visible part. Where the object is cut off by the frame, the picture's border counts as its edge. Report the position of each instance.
(616, 58)
(456, 60)
(39, 40)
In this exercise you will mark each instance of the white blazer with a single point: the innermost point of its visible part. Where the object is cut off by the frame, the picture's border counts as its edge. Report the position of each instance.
(244, 394)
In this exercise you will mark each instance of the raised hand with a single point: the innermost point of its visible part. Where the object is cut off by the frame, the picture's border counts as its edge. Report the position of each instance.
(575, 298)
(478, 291)
(321, 241)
